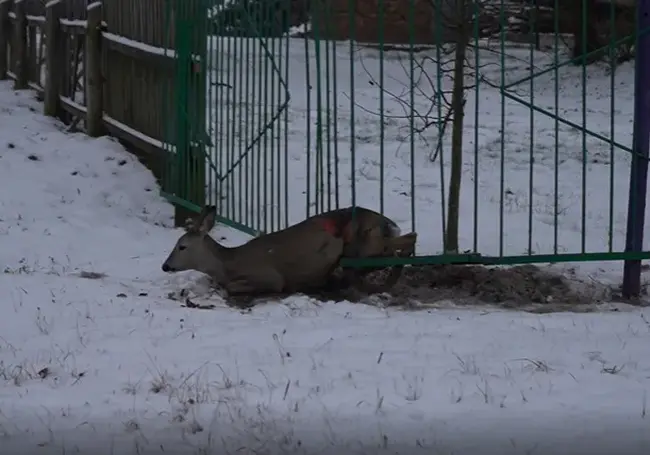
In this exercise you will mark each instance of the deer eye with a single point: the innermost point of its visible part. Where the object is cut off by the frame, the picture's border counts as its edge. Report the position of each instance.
(181, 247)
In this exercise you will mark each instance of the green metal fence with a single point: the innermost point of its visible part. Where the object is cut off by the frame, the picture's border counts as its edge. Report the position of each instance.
(500, 131)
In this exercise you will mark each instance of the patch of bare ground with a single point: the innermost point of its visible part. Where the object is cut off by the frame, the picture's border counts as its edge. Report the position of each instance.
(527, 287)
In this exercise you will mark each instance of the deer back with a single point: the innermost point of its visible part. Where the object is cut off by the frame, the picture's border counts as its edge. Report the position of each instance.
(364, 231)
(303, 253)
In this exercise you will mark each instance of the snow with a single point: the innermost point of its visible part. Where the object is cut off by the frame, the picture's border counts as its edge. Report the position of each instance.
(149, 49)
(95, 355)
(217, 9)
(81, 23)
(36, 19)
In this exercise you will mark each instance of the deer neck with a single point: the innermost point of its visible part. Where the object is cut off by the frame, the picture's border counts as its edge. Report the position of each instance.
(214, 264)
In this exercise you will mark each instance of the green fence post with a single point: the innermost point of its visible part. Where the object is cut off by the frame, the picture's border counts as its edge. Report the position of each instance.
(189, 88)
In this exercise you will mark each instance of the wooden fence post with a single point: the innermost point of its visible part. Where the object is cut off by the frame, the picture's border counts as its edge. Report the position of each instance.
(32, 66)
(52, 77)
(20, 46)
(93, 71)
(5, 6)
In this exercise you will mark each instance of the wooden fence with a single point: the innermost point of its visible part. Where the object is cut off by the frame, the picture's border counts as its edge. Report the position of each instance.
(103, 68)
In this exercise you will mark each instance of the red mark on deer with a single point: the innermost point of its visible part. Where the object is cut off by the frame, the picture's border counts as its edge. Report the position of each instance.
(329, 225)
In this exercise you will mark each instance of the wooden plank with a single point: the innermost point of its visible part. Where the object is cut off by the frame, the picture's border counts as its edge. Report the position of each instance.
(93, 72)
(73, 107)
(32, 67)
(52, 75)
(73, 27)
(157, 56)
(20, 57)
(4, 38)
(37, 88)
(139, 140)
(35, 20)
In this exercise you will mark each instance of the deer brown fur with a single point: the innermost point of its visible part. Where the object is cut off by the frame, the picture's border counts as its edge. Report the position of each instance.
(299, 258)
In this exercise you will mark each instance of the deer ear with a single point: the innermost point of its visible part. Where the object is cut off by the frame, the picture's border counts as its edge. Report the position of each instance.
(207, 218)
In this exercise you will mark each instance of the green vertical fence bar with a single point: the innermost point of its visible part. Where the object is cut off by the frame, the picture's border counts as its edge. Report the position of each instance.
(183, 51)
(208, 67)
(226, 139)
(270, 154)
(556, 124)
(264, 143)
(240, 92)
(531, 125)
(246, 177)
(328, 103)
(382, 133)
(335, 116)
(199, 71)
(439, 25)
(259, 121)
(583, 202)
(502, 162)
(274, 100)
(612, 121)
(285, 120)
(233, 146)
(276, 51)
(168, 185)
(308, 123)
(190, 103)
(411, 21)
(318, 165)
(216, 56)
(249, 160)
(255, 157)
(477, 98)
(230, 149)
(352, 8)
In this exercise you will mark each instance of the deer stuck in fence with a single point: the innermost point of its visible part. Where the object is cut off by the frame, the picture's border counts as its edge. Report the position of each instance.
(300, 258)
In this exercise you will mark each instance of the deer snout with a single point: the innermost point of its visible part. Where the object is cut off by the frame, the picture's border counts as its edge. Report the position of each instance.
(167, 268)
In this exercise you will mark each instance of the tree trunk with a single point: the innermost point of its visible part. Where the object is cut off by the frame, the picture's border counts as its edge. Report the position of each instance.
(458, 107)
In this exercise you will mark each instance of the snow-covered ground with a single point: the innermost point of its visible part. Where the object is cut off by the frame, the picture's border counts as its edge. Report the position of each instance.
(106, 361)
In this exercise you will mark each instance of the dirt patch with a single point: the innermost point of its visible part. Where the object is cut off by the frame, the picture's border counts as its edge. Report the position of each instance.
(526, 287)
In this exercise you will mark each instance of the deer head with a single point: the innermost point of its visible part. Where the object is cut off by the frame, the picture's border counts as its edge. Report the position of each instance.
(196, 250)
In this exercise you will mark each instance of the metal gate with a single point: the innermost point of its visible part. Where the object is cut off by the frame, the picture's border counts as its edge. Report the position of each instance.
(371, 124)
(228, 113)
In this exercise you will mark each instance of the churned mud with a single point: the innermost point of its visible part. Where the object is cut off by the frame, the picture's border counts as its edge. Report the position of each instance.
(526, 287)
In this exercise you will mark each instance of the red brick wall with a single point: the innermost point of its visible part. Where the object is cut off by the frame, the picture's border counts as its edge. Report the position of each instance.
(335, 23)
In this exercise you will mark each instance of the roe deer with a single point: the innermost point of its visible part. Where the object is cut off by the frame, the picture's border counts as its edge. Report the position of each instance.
(299, 258)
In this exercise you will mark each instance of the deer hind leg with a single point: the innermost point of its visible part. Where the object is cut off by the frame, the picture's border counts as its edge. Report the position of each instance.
(377, 245)
(402, 246)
